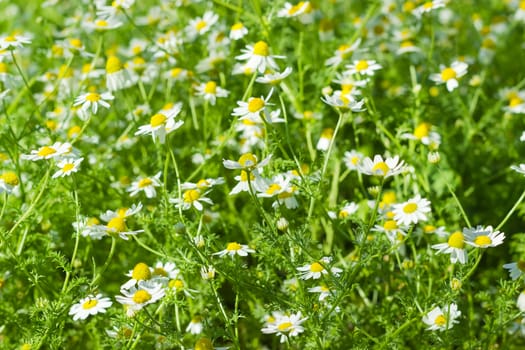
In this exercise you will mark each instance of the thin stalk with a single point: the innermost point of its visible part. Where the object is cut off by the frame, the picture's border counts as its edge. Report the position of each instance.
(511, 211)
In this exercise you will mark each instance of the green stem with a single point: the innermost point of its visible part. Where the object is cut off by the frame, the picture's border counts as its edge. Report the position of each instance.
(107, 262)
(465, 217)
(77, 240)
(511, 211)
(473, 268)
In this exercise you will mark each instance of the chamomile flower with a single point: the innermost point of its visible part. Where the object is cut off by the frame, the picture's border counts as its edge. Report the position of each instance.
(347, 210)
(324, 291)
(256, 181)
(427, 7)
(141, 272)
(283, 190)
(137, 298)
(93, 100)
(455, 246)
(238, 31)
(67, 167)
(516, 269)
(14, 41)
(191, 198)
(363, 67)
(89, 227)
(483, 237)
(116, 221)
(285, 326)
(274, 78)
(394, 232)
(352, 159)
(210, 91)
(387, 167)
(253, 108)
(117, 77)
(207, 272)
(324, 141)
(450, 75)
(146, 184)
(258, 57)
(247, 162)
(56, 150)
(195, 326)
(344, 101)
(412, 211)
(162, 123)
(343, 51)
(317, 269)
(521, 301)
(162, 271)
(201, 25)
(100, 24)
(423, 132)
(8, 182)
(90, 305)
(234, 248)
(442, 319)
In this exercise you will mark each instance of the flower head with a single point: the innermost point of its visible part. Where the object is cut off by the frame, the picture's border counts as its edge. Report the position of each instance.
(442, 319)
(455, 246)
(412, 211)
(450, 75)
(234, 248)
(483, 237)
(387, 167)
(90, 305)
(284, 325)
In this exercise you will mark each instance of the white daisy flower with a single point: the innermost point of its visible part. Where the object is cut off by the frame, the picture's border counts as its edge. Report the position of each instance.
(324, 141)
(11, 42)
(450, 75)
(67, 166)
(210, 91)
(46, 152)
(257, 182)
(285, 326)
(324, 291)
(90, 305)
(191, 198)
(412, 211)
(427, 7)
(8, 182)
(89, 227)
(252, 109)
(363, 67)
(116, 221)
(316, 269)
(343, 101)
(520, 169)
(195, 326)
(455, 246)
(138, 297)
(247, 162)
(238, 31)
(258, 57)
(282, 188)
(442, 319)
(352, 159)
(521, 301)
(234, 248)
(274, 78)
(483, 237)
(141, 272)
(201, 25)
(343, 51)
(92, 100)
(146, 184)
(162, 123)
(347, 210)
(387, 167)
(516, 269)
(117, 77)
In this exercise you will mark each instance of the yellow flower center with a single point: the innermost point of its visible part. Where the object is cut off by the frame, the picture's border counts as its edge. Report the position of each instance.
(191, 196)
(10, 178)
(90, 304)
(144, 183)
(3, 67)
(140, 272)
(361, 65)
(46, 151)
(522, 5)
(237, 26)
(390, 225)
(101, 23)
(141, 296)
(117, 224)
(429, 228)
(261, 49)
(67, 167)
(273, 188)
(422, 130)
(410, 208)
(121, 212)
(515, 101)
(93, 97)
(176, 284)
(327, 133)
(200, 25)
(233, 246)
(440, 320)
(428, 5)
(285, 326)
(316, 267)
(244, 176)
(159, 271)
(203, 344)
(482, 240)
(255, 104)
(210, 87)
(456, 240)
(342, 48)
(113, 65)
(247, 160)
(92, 221)
(409, 6)
(447, 74)
(10, 38)
(381, 166)
(157, 120)
(406, 44)
(76, 43)
(73, 131)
